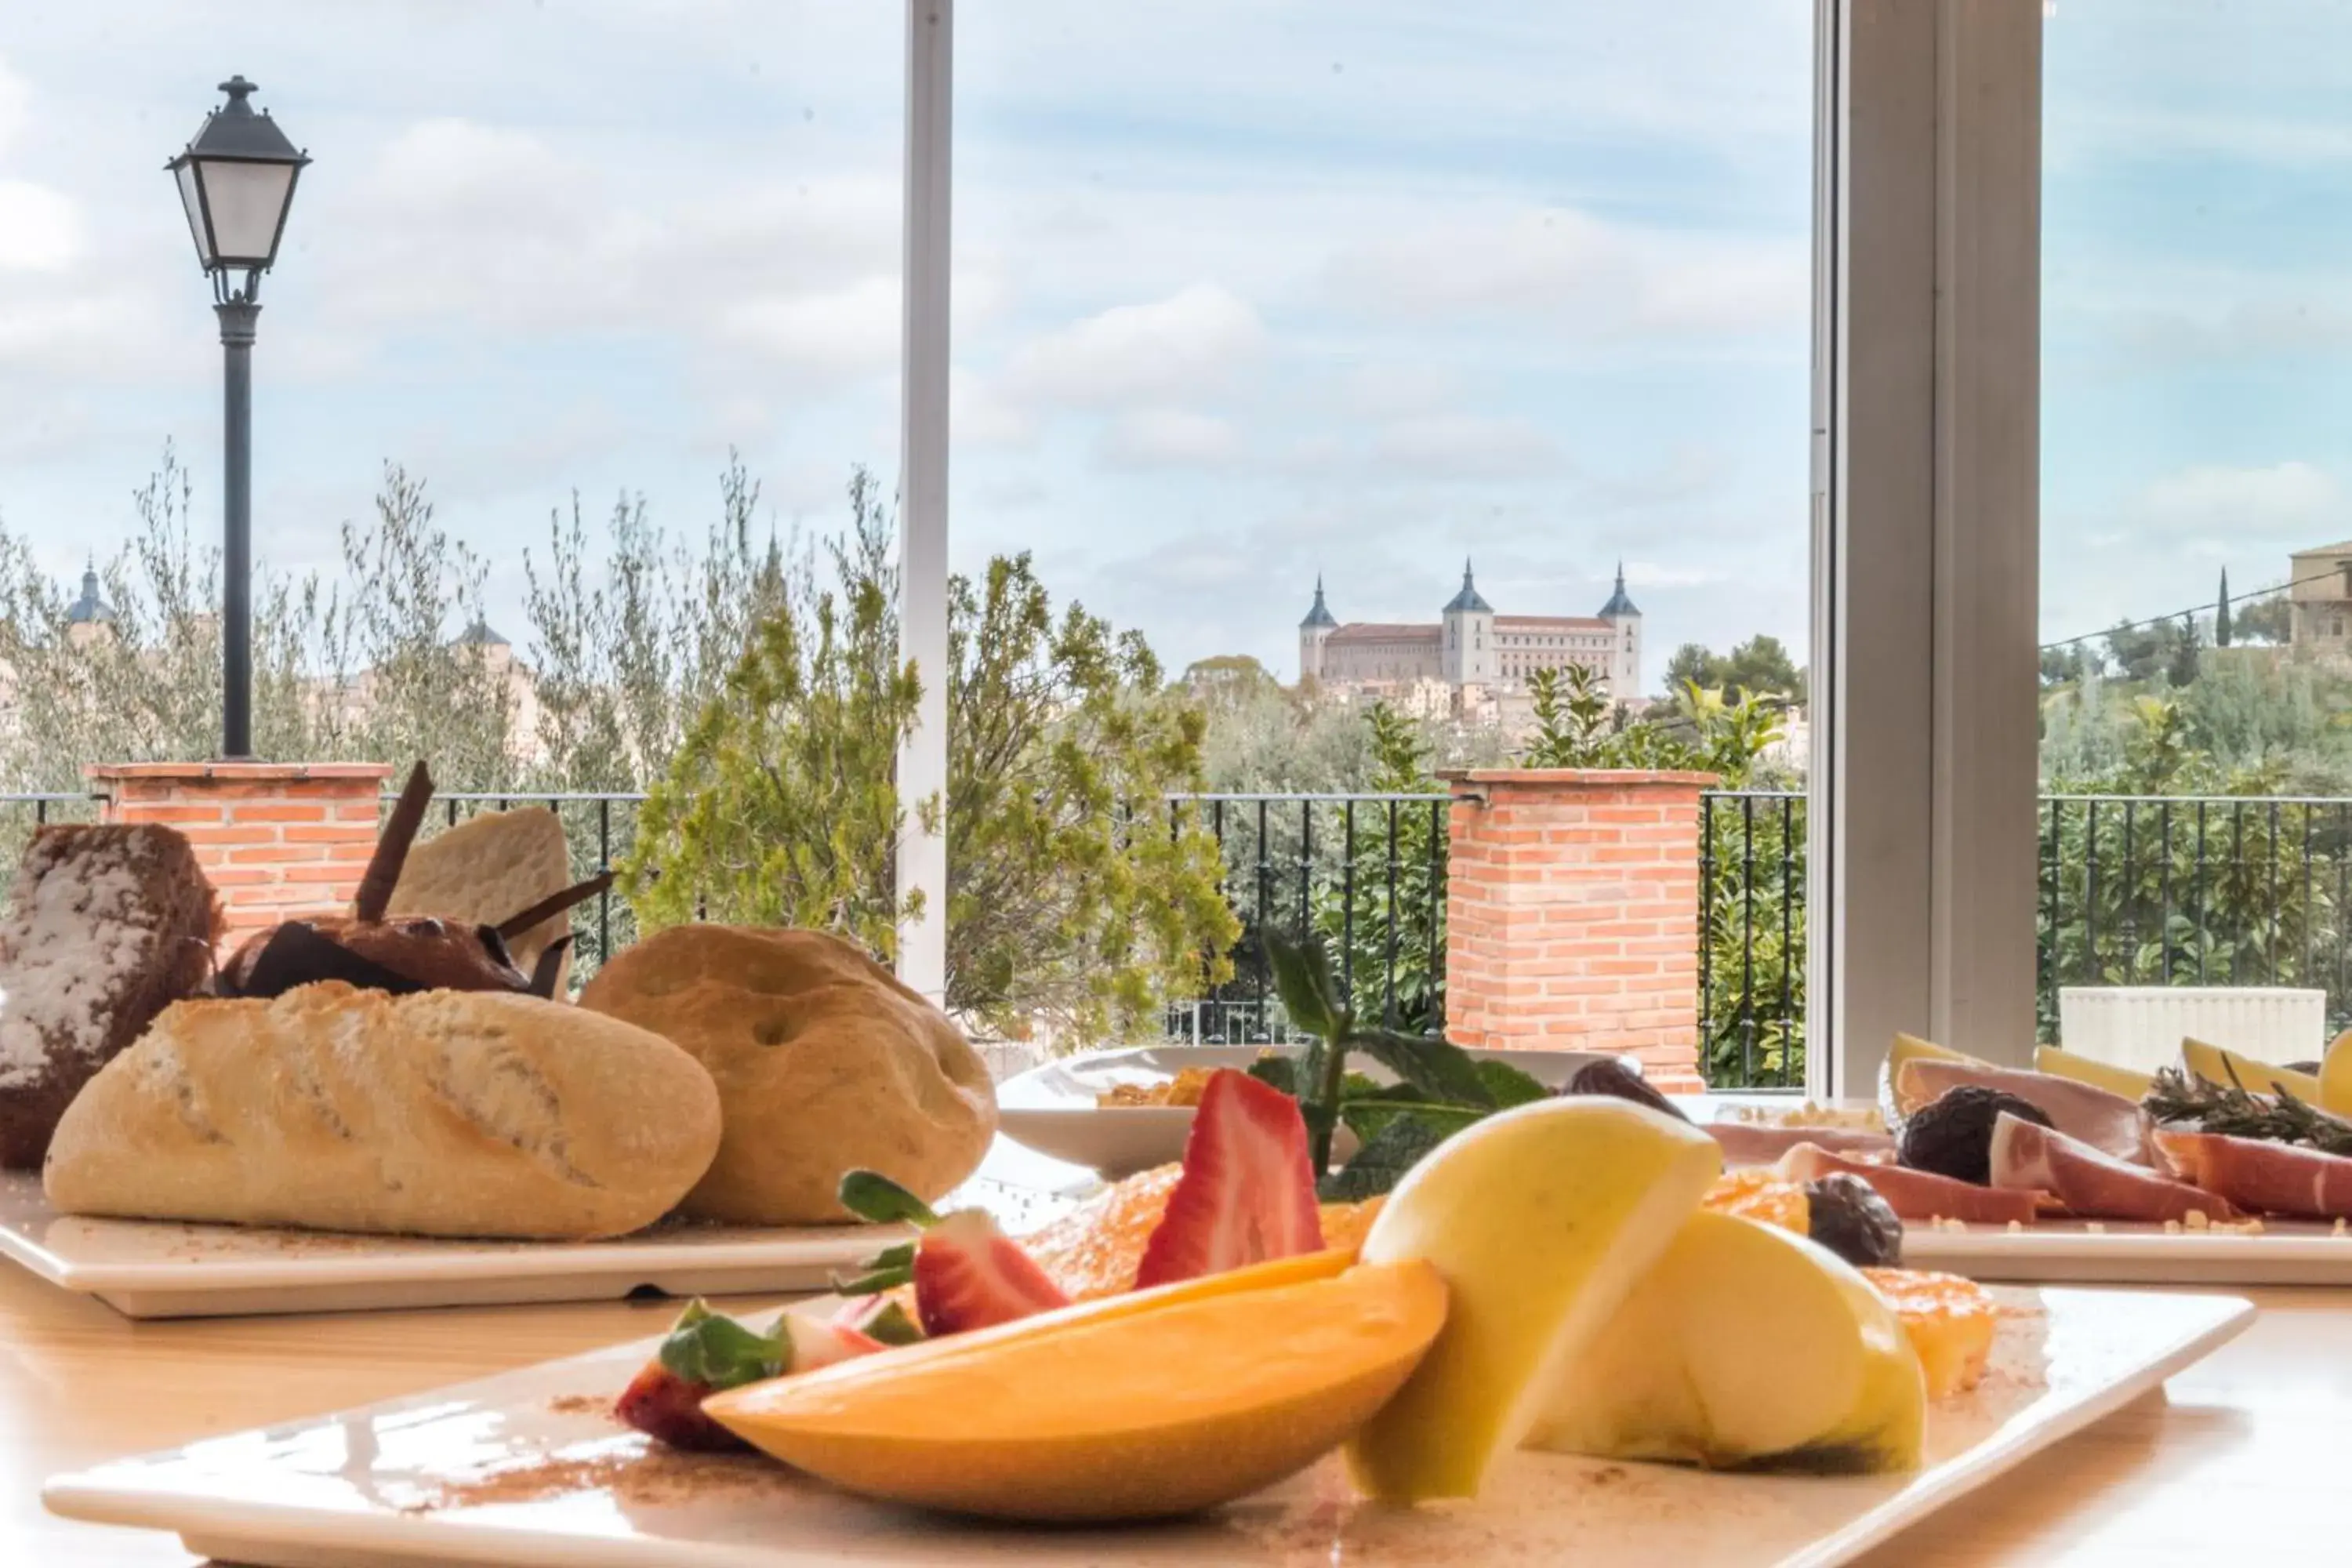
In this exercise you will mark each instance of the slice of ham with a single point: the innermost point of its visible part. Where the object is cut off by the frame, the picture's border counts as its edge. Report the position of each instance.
(2107, 1122)
(2090, 1183)
(2260, 1176)
(1752, 1144)
(1916, 1195)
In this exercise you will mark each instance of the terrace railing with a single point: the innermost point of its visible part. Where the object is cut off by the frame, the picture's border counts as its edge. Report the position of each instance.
(2134, 889)
(2195, 890)
(1365, 871)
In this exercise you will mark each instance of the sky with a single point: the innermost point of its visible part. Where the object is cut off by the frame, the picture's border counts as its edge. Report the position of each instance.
(1245, 291)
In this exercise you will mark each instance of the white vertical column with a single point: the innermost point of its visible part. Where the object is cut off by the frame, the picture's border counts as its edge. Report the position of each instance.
(1927, 529)
(923, 487)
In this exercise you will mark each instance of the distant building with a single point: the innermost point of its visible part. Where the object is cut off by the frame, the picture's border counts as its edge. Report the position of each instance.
(2319, 599)
(88, 617)
(1471, 662)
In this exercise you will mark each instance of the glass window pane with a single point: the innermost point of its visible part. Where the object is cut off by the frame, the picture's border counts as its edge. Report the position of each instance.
(2196, 827)
(246, 200)
(193, 202)
(1270, 316)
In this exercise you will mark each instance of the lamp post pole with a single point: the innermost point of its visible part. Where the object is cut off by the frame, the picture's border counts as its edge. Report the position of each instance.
(237, 324)
(237, 179)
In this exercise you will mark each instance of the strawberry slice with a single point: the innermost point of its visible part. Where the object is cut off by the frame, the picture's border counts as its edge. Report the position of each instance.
(967, 1274)
(970, 1275)
(668, 1409)
(707, 1351)
(1247, 1193)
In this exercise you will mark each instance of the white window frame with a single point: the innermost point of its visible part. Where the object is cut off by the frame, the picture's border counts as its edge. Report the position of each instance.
(928, 242)
(1926, 527)
(1926, 530)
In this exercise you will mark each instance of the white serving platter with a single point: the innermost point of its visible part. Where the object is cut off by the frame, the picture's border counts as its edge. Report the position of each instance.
(1052, 1108)
(526, 1469)
(160, 1269)
(2115, 1252)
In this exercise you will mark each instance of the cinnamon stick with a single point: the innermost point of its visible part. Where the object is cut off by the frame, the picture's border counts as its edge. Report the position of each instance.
(392, 844)
(554, 904)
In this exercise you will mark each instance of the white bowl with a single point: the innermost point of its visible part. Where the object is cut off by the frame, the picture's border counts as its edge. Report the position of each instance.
(1052, 1108)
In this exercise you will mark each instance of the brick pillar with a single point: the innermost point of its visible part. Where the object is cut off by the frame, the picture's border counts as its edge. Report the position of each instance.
(281, 840)
(1572, 911)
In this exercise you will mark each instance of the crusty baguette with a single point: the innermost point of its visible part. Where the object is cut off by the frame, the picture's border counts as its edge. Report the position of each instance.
(440, 1114)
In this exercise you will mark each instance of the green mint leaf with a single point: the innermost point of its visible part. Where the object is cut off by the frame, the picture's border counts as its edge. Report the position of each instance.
(1382, 1162)
(878, 1200)
(1367, 1118)
(1302, 978)
(886, 1271)
(1280, 1071)
(708, 1348)
(1440, 1069)
(1508, 1084)
(889, 1322)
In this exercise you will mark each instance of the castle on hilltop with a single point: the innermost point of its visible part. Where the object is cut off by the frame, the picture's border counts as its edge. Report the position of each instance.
(1471, 663)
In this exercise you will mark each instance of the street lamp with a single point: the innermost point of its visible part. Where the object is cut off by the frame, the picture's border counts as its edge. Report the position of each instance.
(237, 180)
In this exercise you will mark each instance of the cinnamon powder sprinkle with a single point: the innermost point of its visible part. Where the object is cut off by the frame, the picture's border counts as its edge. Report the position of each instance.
(635, 1474)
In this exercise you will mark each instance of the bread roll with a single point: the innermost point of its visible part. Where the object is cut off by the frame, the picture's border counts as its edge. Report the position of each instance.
(441, 1113)
(823, 1061)
(493, 864)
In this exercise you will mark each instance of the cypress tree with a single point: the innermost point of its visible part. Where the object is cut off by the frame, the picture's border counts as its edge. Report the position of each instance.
(2221, 613)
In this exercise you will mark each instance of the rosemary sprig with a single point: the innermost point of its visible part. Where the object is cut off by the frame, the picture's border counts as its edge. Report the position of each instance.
(2229, 1109)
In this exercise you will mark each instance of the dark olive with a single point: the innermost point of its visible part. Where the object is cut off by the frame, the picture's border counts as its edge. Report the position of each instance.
(1614, 1077)
(1952, 1134)
(1849, 1218)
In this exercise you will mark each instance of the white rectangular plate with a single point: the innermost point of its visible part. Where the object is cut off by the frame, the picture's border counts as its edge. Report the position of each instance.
(1052, 1108)
(2284, 1252)
(164, 1270)
(527, 1470)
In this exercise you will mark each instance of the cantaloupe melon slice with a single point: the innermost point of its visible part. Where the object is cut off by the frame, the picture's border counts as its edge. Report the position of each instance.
(1111, 1410)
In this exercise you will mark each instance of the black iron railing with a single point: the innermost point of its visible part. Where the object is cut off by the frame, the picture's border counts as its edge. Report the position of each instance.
(1367, 872)
(1751, 943)
(2195, 890)
(2134, 889)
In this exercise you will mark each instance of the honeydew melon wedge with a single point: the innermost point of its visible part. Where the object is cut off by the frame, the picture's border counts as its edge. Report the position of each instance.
(1745, 1345)
(2131, 1085)
(1540, 1220)
(2335, 1076)
(1911, 1048)
(2215, 1065)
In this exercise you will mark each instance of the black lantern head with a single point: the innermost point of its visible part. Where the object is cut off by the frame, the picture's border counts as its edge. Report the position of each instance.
(236, 181)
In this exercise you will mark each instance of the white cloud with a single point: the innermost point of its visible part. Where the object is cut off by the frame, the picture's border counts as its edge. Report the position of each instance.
(2209, 497)
(1564, 267)
(849, 330)
(40, 231)
(1168, 437)
(1657, 574)
(1191, 341)
(15, 97)
(1466, 445)
(979, 414)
